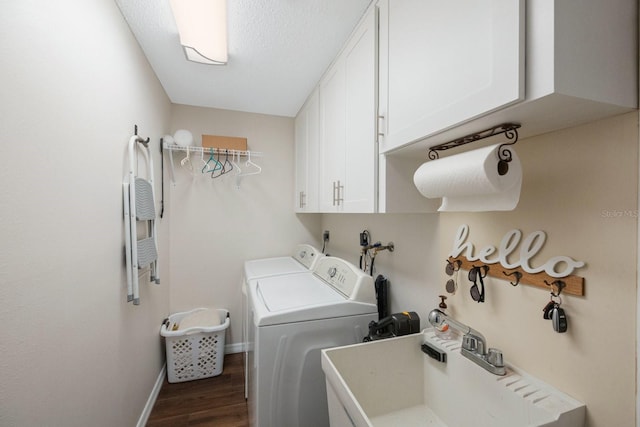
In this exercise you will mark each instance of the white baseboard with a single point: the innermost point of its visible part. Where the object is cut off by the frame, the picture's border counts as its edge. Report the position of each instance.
(144, 417)
(234, 348)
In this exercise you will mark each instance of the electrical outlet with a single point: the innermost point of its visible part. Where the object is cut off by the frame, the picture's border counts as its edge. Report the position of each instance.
(325, 236)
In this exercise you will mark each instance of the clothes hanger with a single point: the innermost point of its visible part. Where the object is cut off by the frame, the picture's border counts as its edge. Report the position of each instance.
(257, 170)
(216, 166)
(186, 162)
(226, 166)
(234, 164)
(227, 162)
(205, 167)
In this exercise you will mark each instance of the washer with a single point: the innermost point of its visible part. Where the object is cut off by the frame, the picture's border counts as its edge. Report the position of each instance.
(302, 260)
(291, 318)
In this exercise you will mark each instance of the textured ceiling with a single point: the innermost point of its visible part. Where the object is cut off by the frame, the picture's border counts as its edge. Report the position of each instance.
(278, 50)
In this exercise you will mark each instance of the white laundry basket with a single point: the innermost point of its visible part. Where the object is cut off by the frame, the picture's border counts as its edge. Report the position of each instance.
(196, 352)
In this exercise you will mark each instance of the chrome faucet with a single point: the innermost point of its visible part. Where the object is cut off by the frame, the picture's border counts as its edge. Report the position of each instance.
(474, 345)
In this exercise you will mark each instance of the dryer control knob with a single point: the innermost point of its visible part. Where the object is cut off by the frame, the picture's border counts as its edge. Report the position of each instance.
(332, 272)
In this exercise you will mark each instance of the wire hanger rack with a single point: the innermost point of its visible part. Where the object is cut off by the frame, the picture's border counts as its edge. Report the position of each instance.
(193, 152)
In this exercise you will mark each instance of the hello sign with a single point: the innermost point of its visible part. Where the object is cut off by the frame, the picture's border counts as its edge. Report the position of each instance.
(531, 245)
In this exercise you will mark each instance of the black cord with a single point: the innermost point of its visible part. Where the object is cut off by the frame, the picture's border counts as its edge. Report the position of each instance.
(364, 259)
(161, 178)
(373, 258)
(365, 239)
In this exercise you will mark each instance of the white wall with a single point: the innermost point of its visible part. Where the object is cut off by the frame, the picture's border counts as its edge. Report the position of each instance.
(74, 83)
(215, 226)
(581, 187)
(412, 264)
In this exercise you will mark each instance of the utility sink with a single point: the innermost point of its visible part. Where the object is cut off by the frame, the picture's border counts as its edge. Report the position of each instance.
(390, 383)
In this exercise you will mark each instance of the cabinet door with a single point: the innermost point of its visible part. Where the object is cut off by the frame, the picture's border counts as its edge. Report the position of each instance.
(444, 63)
(313, 150)
(360, 146)
(306, 157)
(300, 180)
(332, 137)
(347, 123)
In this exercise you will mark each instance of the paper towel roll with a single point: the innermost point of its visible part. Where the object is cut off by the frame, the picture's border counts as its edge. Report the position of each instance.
(504, 201)
(470, 181)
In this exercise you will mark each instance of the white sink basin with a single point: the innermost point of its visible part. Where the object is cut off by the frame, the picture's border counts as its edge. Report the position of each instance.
(393, 383)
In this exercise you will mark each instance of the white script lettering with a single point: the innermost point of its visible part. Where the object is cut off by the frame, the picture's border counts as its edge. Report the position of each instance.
(530, 248)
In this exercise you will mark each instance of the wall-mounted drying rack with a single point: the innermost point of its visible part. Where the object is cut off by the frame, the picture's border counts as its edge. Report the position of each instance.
(191, 159)
(573, 285)
(510, 131)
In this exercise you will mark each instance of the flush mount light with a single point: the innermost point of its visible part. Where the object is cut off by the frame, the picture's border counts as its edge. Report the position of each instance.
(202, 25)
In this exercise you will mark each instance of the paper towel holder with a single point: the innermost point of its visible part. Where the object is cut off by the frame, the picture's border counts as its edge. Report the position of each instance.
(510, 131)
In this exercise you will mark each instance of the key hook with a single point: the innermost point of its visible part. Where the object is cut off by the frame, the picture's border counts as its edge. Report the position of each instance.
(514, 273)
(559, 284)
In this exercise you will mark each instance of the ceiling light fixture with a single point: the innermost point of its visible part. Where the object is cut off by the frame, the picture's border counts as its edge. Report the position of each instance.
(202, 25)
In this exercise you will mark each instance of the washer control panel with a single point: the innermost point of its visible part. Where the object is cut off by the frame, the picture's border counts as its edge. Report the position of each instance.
(346, 278)
(307, 255)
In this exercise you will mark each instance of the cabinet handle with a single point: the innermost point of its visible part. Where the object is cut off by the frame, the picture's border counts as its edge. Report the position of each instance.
(380, 127)
(301, 201)
(340, 197)
(334, 193)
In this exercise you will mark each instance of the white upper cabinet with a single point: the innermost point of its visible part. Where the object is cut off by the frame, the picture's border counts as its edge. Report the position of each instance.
(446, 62)
(332, 137)
(348, 151)
(306, 155)
(449, 69)
(416, 73)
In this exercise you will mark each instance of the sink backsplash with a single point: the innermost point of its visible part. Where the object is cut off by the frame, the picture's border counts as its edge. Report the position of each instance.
(464, 394)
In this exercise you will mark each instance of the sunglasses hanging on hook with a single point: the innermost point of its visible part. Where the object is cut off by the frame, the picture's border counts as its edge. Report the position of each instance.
(477, 274)
(452, 268)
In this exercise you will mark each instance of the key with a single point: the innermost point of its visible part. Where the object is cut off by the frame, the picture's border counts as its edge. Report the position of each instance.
(547, 310)
(559, 319)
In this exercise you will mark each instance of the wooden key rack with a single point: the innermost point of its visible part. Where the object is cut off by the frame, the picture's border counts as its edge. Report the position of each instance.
(574, 285)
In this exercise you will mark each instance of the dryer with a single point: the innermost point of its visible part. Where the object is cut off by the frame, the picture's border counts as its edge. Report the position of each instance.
(291, 319)
(302, 260)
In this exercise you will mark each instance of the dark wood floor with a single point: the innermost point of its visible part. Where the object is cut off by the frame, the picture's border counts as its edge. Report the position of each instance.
(217, 401)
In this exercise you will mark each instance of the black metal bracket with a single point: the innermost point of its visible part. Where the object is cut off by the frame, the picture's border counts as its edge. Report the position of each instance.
(510, 130)
(140, 139)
